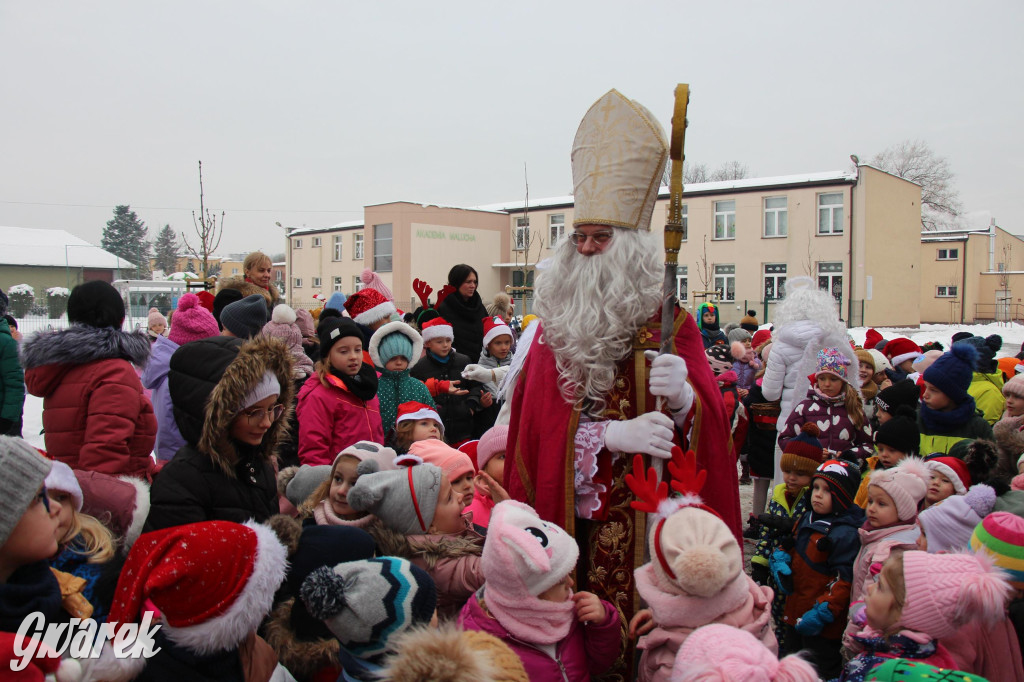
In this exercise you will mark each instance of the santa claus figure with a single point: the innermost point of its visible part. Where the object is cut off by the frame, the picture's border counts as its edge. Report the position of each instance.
(584, 387)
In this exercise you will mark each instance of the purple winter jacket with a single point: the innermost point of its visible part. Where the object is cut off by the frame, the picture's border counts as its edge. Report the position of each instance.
(154, 377)
(587, 650)
(838, 432)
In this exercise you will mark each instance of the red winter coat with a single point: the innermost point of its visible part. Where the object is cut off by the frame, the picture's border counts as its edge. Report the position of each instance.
(95, 414)
(331, 418)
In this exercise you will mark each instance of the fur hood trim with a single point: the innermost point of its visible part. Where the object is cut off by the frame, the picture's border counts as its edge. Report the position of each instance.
(255, 357)
(80, 344)
(248, 288)
(389, 328)
(448, 654)
(429, 548)
(303, 659)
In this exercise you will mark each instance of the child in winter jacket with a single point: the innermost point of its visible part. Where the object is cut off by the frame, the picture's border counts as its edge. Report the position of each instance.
(895, 440)
(919, 598)
(722, 652)
(746, 363)
(708, 324)
(328, 504)
(490, 461)
(866, 376)
(95, 413)
(283, 326)
(818, 571)
(894, 497)
(762, 435)
(527, 600)
(229, 401)
(948, 414)
(421, 519)
(987, 381)
(695, 576)
(788, 505)
(338, 404)
(495, 359)
(191, 323)
(441, 369)
(834, 405)
(394, 348)
(1000, 538)
(415, 422)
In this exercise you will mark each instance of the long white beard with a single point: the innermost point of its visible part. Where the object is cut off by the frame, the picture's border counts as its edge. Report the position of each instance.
(592, 307)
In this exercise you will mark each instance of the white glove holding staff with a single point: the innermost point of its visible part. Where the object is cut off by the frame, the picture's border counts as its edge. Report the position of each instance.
(650, 434)
(668, 380)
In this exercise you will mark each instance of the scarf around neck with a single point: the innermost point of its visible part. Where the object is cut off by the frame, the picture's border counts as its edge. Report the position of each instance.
(325, 516)
(936, 421)
(533, 620)
(363, 385)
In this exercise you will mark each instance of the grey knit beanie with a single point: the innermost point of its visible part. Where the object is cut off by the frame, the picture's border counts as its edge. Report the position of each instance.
(404, 500)
(305, 481)
(24, 471)
(245, 318)
(739, 334)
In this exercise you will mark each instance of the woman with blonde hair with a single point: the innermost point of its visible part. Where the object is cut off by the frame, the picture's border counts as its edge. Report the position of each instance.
(258, 271)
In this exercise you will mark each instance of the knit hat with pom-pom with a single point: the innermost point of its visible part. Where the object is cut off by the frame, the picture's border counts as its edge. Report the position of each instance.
(155, 317)
(906, 483)
(404, 500)
(699, 549)
(450, 654)
(192, 321)
(987, 348)
(494, 441)
(803, 454)
(749, 321)
(365, 603)
(949, 524)
(952, 373)
(946, 591)
(371, 280)
(843, 480)
(1000, 535)
(722, 652)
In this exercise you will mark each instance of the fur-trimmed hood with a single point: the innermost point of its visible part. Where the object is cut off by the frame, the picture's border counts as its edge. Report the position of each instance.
(429, 548)
(302, 658)
(80, 344)
(208, 381)
(390, 328)
(247, 288)
(449, 654)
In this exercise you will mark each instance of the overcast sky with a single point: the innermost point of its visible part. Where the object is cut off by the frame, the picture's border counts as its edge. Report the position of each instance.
(304, 112)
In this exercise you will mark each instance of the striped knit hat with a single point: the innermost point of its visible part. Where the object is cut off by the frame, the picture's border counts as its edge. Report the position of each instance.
(1001, 536)
(803, 453)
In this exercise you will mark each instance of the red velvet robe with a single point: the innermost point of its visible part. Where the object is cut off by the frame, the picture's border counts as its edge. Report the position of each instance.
(541, 468)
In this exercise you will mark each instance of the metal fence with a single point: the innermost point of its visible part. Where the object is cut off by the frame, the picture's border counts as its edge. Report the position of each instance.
(998, 312)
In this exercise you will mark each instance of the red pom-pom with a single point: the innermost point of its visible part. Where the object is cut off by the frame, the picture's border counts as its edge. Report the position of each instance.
(811, 429)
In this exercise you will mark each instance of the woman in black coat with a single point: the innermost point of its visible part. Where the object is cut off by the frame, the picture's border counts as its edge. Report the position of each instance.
(464, 311)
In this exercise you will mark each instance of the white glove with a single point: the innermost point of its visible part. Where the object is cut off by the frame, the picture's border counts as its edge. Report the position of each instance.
(650, 434)
(668, 379)
(477, 373)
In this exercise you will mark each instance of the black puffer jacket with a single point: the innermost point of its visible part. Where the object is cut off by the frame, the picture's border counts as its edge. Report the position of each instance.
(215, 477)
(456, 411)
(467, 320)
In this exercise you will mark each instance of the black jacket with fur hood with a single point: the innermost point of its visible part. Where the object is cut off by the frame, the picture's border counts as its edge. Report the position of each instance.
(214, 477)
(248, 288)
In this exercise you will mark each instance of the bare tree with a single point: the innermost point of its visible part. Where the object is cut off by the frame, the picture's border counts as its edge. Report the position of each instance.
(914, 160)
(700, 172)
(694, 172)
(730, 170)
(704, 268)
(809, 259)
(208, 231)
(522, 243)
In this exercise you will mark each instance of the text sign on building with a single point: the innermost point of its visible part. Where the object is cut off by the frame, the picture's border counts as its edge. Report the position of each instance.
(449, 235)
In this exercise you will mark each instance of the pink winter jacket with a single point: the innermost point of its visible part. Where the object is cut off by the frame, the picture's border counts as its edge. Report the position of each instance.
(481, 507)
(742, 604)
(453, 561)
(876, 544)
(587, 650)
(331, 418)
(992, 652)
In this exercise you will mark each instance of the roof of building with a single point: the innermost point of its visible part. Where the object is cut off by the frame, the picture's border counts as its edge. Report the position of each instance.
(351, 224)
(54, 248)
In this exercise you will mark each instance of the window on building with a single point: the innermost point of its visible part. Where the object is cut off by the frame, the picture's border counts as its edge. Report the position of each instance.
(830, 278)
(522, 235)
(776, 217)
(725, 282)
(357, 283)
(316, 242)
(357, 247)
(296, 282)
(278, 275)
(556, 228)
(337, 247)
(337, 284)
(682, 284)
(234, 271)
(945, 292)
(948, 254)
(830, 213)
(774, 279)
(316, 282)
(382, 247)
(518, 279)
(725, 220)
(297, 244)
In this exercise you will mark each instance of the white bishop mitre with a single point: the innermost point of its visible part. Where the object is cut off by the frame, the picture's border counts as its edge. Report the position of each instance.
(618, 159)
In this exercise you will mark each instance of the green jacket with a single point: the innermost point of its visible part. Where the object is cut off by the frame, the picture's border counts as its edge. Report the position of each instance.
(977, 427)
(395, 388)
(12, 378)
(987, 391)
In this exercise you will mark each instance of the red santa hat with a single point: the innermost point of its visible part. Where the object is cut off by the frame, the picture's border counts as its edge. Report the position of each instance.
(760, 337)
(212, 582)
(495, 327)
(367, 306)
(437, 328)
(954, 469)
(414, 411)
(206, 299)
(900, 350)
(872, 339)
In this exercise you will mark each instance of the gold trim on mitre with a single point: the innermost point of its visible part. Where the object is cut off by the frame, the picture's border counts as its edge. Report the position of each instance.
(618, 160)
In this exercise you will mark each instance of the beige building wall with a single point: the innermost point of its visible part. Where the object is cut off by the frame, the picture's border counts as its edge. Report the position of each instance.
(323, 261)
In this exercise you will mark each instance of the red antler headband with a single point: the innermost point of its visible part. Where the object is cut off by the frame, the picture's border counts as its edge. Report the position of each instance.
(423, 291)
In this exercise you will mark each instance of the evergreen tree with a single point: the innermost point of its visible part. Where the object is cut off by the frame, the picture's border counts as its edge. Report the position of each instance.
(165, 250)
(125, 236)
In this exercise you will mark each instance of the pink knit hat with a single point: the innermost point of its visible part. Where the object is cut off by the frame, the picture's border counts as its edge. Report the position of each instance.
(373, 281)
(155, 317)
(494, 440)
(192, 321)
(305, 322)
(452, 462)
(1015, 386)
(722, 652)
(946, 591)
(906, 483)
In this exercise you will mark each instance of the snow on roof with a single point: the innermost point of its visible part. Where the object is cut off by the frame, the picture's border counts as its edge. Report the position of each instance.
(721, 186)
(54, 248)
(340, 226)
